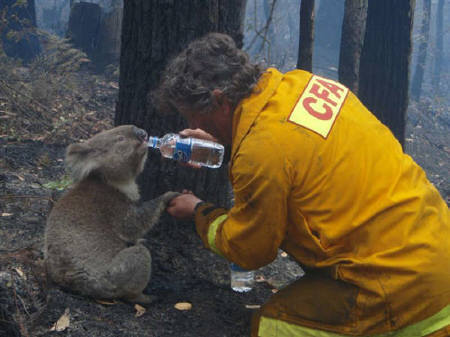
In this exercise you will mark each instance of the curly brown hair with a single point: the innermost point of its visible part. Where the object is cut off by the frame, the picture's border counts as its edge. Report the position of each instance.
(208, 63)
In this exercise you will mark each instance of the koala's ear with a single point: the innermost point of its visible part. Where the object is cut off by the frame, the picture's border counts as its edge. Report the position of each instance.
(77, 149)
(79, 161)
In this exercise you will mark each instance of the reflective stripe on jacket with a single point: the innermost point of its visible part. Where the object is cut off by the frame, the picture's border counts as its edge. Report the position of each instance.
(316, 174)
(437, 325)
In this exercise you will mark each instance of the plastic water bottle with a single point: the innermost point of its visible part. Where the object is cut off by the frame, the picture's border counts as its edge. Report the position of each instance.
(242, 280)
(189, 150)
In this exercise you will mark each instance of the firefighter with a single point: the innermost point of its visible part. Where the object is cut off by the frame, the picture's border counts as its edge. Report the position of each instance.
(316, 174)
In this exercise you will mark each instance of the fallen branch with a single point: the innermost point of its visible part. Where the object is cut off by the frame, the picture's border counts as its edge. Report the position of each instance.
(10, 196)
(22, 328)
(21, 93)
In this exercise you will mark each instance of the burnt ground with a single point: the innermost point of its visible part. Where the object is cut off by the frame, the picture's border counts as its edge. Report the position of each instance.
(33, 137)
(31, 171)
(182, 272)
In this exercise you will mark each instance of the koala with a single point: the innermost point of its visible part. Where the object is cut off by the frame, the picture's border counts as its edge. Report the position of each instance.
(93, 236)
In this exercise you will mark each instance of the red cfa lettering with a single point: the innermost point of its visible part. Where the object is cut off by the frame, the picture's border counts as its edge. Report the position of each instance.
(332, 87)
(319, 105)
(327, 114)
(324, 94)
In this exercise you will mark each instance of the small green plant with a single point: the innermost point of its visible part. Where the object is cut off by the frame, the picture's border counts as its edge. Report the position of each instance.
(59, 185)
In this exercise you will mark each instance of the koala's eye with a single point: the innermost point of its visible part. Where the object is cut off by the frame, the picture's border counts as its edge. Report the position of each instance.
(120, 138)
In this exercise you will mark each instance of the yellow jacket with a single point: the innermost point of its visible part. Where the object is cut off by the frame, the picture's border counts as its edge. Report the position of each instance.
(316, 174)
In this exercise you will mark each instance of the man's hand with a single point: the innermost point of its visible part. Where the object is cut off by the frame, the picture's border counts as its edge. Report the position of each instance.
(197, 133)
(183, 206)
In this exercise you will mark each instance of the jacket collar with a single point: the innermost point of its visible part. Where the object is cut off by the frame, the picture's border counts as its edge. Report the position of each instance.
(249, 108)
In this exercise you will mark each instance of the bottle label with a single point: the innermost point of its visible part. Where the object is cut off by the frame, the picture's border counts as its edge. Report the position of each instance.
(183, 150)
(152, 141)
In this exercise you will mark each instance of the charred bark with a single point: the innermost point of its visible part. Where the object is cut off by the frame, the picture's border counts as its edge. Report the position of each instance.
(152, 33)
(305, 48)
(84, 25)
(416, 88)
(385, 58)
(439, 47)
(353, 29)
(108, 46)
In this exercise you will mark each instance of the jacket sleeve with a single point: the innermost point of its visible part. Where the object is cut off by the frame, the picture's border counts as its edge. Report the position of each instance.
(251, 232)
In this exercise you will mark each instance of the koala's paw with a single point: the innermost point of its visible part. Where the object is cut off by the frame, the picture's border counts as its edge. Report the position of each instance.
(166, 197)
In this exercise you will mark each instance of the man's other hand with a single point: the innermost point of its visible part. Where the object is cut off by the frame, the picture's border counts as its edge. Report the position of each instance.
(183, 206)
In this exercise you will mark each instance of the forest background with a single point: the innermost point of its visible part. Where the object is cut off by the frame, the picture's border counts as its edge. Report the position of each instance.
(60, 82)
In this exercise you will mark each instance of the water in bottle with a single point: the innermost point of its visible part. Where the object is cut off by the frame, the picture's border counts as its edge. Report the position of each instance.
(189, 150)
(242, 280)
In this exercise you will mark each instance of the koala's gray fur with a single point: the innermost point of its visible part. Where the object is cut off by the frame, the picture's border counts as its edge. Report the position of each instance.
(92, 239)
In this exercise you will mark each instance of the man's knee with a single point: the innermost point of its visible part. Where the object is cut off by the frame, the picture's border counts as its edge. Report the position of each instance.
(314, 301)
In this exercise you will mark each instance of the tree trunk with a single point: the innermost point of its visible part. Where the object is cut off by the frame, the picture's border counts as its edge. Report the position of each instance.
(439, 47)
(153, 32)
(108, 50)
(305, 48)
(83, 27)
(416, 88)
(230, 18)
(385, 58)
(18, 37)
(353, 29)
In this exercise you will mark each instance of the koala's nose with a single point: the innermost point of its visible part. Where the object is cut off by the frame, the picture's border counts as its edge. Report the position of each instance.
(141, 134)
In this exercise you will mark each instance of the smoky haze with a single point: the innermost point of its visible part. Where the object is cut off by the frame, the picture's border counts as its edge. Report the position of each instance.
(276, 44)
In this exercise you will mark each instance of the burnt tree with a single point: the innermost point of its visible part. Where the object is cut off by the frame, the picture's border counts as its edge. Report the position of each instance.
(436, 79)
(152, 33)
(385, 59)
(305, 47)
(416, 87)
(108, 51)
(84, 25)
(353, 29)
